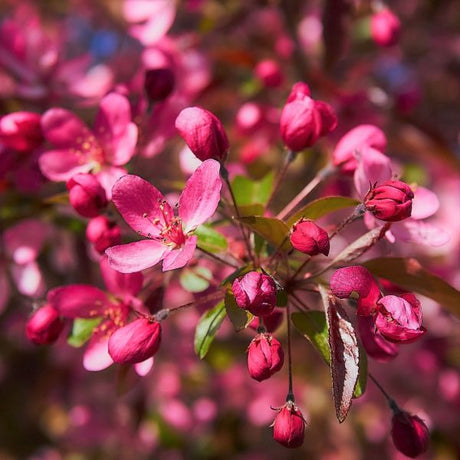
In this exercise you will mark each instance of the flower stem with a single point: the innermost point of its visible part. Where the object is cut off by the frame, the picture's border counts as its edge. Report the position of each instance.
(322, 174)
(219, 259)
(289, 158)
(290, 395)
(357, 213)
(389, 399)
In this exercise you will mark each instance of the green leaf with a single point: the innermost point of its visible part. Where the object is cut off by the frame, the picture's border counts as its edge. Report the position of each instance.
(240, 318)
(313, 325)
(59, 198)
(322, 206)
(410, 275)
(207, 327)
(360, 387)
(195, 279)
(251, 210)
(273, 230)
(281, 298)
(210, 240)
(82, 329)
(248, 191)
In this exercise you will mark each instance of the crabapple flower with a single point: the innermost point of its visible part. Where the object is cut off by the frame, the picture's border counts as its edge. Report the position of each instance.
(255, 292)
(309, 238)
(135, 342)
(399, 318)
(385, 28)
(409, 433)
(147, 212)
(78, 149)
(390, 201)
(203, 132)
(289, 426)
(159, 83)
(303, 120)
(86, 195)
(44, 326)
(21, 131)
(265, 357)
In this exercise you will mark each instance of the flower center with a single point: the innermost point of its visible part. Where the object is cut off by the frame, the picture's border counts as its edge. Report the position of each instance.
(170, 226)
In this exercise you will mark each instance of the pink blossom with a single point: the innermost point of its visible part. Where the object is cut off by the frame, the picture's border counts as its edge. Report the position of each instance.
(147, 212)
(78, 149)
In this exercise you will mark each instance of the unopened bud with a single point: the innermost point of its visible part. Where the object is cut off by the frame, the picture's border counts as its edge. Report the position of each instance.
(265, 357)
(269, 73)
(21, 131)
(309, 238)
(385, 28)
(409, 433)
(289, 426)
(159, 83)
(203, 132)
(390, 201)
(44, 326)
(135, 342)
(86, 195)
(255, 292)
(103, 233)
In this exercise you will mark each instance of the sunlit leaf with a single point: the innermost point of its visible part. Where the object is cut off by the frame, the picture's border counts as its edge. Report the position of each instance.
(207, 327)
(344, 350)
(239, 317)
(210, 240)
(82, 329)
(410, 275)
(195, 279)
(322, 206)
(248, 191)
(273, 230)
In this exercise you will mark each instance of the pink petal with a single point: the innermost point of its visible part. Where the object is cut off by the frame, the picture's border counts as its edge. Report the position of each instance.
(419, 232)
(28, 279)
(140, 205)
(24, 240)
(373, 166)
(201, 195)
(65, 130)
(61, 165)
(108, 176)
(137, 256)
(114, 130)
(78, 301)
(143, 368)
(177, 258)
(120, 284)
(96, 357)
(424, 204)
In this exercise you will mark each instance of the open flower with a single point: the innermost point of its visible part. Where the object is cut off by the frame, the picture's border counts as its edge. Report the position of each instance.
(147, 212)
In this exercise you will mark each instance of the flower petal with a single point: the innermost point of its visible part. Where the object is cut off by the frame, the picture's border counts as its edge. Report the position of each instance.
(137, 256)
(78, 301)
(114, 129)
(201, 195)
(108, 176)
(28, 279)
(144, 367)
(140, 204)
(373, 166)
(61, 165)
(424, 204)
(96, 357)
(177, 258)
(120, 284)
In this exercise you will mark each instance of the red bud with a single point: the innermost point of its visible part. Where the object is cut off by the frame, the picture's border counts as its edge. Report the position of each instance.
(265, 357)
(409, 433)
(86, 195)
(103, 233)
(269, 73)
(159, 83)
(21, 131)
(309, 238)
(289, 426)
(385, 28)
(44, 326)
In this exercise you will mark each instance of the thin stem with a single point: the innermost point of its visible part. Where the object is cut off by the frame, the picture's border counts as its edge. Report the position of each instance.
(300, 268)
(289, 158)
(238, 215)
(213, 256)
(277, 250)
(357, 213)
(322, 174)
(389, 399)
(307, 308)
(290, 390)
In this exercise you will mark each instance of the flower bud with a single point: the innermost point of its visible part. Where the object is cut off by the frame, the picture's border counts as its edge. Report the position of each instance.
(399, 319)
(135, 342)
(303, 121)
(390, 201)
(203, 132)
(289, 426)
(159, 83)
(86, 195)
(309, 238)
(269, 73)
(44, 326)
(271, 322)
(265, 357)
(255, 292)
(385, 28)
(103, 233)
(409, 433)
(21, 131)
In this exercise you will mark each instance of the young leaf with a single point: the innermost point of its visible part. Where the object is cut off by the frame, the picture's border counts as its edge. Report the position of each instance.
(322, 206)
(410, 275)
(82, 329)
(273, 230)
(344, 354)
(240, 318)
(207, 327)
(195, 279)
(210, 240)
(248, 191)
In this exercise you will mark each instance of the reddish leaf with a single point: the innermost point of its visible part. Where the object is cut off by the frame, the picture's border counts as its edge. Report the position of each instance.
(344, 354)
